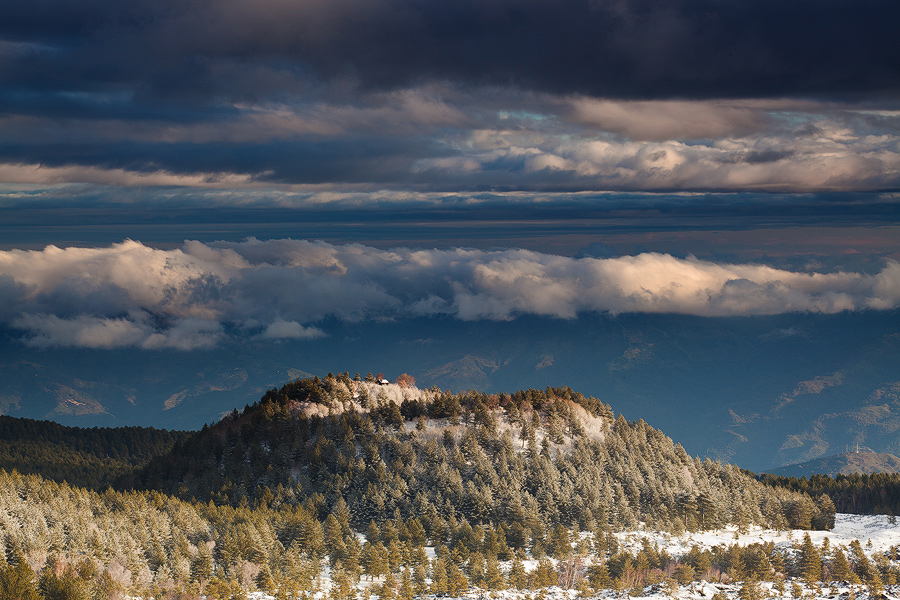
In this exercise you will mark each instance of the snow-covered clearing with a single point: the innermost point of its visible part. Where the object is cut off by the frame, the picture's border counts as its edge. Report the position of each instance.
(879, 530)
(865, 528)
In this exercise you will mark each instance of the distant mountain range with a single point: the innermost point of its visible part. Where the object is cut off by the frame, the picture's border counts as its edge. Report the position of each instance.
(848, 463)
(757, 391)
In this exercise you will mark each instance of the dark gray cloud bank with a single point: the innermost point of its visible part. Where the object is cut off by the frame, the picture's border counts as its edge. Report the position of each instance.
(197, 50)
(420, 97)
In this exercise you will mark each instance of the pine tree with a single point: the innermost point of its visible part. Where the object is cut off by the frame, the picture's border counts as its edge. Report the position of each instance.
(826, 511)
(456, 580)
(750, 590)
(386, 589)
(105, 587)
(334, 539)
(373, 534)
(840, 568)
(67, 586)
(810, 561)
(264, 581)
(375, 562)
(406, 586)
(395, 555)
(202, 566)
(544, 575)
(684, 573)
(493, 578)
(642, 564)
(420, 585)
(18, 582)
(475, 569)
(560, 542)
(417, 534)
(736, 564)
(598, 576)
(861, 564)
(342, 514)
(439, 577)
(352, 557)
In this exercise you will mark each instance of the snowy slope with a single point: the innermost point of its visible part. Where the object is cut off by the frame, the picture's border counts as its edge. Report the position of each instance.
(879, 530)
(847, 528)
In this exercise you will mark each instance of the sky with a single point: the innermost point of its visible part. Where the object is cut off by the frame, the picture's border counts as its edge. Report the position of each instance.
(162, 162)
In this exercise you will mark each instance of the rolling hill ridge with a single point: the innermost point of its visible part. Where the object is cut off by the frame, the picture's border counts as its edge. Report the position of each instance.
(847, 463)
(532, 459)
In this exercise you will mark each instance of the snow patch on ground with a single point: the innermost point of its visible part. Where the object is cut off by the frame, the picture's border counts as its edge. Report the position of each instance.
(695, 591)
(875, 528)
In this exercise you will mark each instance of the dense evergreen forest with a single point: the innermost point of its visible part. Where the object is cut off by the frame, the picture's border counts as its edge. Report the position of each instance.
(93, 458)
(531, 460)
(351, 479)
(872, 494)
(66, 543)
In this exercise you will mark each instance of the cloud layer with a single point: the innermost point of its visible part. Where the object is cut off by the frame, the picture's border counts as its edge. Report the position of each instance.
(611, 48)
(129, 294)
(463, 95)
(441, 140)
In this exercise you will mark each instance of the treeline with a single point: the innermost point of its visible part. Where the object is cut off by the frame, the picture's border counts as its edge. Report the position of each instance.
(863, 494)
(61, 541)
(65, 542)
(529, 461)
(752, 563)
(92, 458)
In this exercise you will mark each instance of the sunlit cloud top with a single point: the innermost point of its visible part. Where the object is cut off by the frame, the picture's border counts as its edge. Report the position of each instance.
(129, 294)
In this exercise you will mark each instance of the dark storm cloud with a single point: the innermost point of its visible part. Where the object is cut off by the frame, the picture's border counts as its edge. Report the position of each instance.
(311, 161)
(768, 156)
(465, 95)
(612, 48)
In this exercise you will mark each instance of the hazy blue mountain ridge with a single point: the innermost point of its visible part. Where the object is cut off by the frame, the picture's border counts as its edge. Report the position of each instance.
(862, 462)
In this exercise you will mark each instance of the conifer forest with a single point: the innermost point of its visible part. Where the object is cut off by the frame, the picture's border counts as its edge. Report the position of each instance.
(344, 488)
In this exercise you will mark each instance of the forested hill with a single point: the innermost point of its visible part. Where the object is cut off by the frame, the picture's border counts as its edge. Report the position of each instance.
(530, 460)
(91, 458)
(859, 493)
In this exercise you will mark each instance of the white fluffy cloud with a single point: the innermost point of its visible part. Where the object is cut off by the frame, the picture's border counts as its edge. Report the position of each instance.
(129, 294)
(84, 331)
(824, 154)
(87, 331)
(280, 329)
